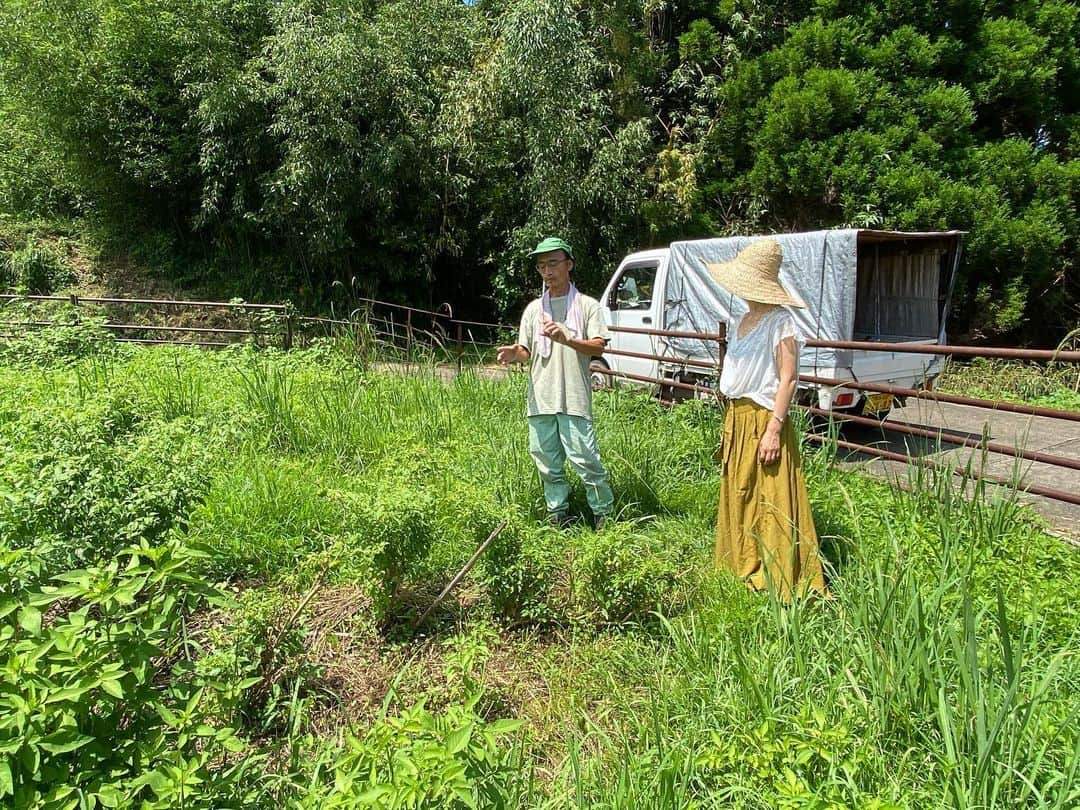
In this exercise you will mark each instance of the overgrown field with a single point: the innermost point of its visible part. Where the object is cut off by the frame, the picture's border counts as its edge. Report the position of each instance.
(1050, 385)
(212, 566)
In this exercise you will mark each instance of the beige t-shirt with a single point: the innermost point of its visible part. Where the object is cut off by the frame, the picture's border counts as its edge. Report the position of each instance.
(560, 382)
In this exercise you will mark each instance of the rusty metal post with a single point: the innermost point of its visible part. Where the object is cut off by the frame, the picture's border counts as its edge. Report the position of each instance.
(460, 347)
(288, 339)
(721, 330)
(408, 335)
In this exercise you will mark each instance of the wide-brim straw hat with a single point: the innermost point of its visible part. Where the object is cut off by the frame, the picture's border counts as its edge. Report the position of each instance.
(754, 274)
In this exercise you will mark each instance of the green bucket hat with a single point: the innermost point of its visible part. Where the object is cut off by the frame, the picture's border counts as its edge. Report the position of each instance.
(552, 243)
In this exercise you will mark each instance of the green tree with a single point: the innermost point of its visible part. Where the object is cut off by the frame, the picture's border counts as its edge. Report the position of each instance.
(905, 115)
(414, 150)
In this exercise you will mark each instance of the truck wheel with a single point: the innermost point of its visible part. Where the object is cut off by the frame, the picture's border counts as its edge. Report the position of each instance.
(599, 380)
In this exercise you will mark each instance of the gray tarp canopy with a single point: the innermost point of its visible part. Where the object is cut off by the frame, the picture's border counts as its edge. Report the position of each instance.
(820, 267)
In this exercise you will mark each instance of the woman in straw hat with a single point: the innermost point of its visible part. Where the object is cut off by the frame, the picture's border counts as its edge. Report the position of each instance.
(764, 529)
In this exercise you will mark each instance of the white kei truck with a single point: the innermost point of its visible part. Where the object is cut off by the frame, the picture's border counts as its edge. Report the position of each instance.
(857, 284)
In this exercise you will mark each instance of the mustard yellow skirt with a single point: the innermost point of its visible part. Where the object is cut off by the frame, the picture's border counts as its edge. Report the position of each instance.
(764, 529)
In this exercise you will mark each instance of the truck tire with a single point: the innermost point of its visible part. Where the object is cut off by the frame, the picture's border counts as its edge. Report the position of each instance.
(600, 381)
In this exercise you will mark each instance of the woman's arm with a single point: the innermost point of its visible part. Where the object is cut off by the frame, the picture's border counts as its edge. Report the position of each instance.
(787, 364)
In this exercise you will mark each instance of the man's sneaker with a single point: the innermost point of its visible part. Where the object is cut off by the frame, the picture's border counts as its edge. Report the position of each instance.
(599, 522)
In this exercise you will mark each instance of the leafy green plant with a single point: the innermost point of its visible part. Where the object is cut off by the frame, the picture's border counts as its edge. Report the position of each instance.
(466, 654)
(65, 343)
(622, 575)
(801, 764)
(100, 702)
(86, 484)
(398, 524)
(421, 759)
(257, 655)
(37, 269)
(520, 571)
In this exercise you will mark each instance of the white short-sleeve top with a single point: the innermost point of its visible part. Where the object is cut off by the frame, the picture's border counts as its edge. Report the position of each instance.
(750, 368)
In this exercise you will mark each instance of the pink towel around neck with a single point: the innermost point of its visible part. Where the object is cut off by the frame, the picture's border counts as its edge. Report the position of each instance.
(575, 319)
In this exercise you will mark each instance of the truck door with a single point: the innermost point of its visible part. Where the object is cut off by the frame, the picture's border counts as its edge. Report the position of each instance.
(633, 303)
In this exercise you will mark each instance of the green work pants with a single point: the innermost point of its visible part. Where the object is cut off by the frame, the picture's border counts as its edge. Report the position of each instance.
(555, 438)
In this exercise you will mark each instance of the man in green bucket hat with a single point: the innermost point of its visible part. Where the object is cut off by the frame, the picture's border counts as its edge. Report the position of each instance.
(560, 333)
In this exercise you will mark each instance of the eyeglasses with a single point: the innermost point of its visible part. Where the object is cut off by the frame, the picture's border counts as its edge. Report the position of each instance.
(550, 264)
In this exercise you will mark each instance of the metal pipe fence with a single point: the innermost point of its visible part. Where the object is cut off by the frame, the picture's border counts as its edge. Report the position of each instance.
(954, 351)
(665, 358)
(1031, 489)
(413, 332)
(935, 396)
(676, 384)
(278, 325)
(947, 438)
(168, 302)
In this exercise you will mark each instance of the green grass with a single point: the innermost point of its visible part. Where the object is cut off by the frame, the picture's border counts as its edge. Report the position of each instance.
(331, 504)
(1053, 385)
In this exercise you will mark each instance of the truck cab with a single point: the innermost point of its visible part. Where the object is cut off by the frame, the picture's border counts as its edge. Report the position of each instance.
(634, 298)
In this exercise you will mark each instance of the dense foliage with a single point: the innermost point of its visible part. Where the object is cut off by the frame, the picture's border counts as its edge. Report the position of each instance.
(285, 145)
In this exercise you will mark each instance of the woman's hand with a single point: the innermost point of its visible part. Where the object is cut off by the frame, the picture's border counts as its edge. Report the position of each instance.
(769, 446)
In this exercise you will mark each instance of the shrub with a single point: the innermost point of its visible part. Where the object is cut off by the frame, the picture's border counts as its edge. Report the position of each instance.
(82, 485)
(390, 534)
(520, 571)
(36, 269)
(621, 575)
(420, 759)
(97, 703)
(70, 336)
(519, 568)
(398, 524)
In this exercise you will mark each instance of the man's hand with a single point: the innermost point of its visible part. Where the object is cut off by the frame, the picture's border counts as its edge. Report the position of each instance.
(556, 331)
(511, 354)
(769, 446)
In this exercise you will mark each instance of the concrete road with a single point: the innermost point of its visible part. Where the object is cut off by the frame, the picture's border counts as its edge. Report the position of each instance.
(1054, 436)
